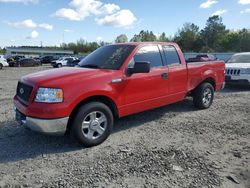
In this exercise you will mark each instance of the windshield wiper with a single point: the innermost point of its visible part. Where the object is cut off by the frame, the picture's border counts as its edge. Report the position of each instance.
(90, 66)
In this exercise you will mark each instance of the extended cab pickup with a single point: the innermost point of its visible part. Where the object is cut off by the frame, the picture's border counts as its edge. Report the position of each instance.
(114, 81)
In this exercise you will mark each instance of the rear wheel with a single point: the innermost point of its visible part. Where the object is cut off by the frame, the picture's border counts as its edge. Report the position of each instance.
(1, 66)
(203, 96)
(92, 124)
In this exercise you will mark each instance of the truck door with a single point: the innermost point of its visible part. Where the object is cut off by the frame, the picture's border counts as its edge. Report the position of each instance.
(147, 90)
(177, 72)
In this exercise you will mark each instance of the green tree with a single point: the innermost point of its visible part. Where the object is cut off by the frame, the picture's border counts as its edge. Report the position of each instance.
(121, 38)
(136, 38)
(163, 38)
(230, 42)
(81, 46)
(2, 50)
(144, 36)
(188, 38)
(244, 37)
(213, 31)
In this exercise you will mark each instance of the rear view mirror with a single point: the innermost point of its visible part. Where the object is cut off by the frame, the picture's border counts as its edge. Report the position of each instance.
(139, 67)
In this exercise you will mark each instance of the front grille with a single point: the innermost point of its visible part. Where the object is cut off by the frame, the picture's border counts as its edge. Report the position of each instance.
(23, 91)
(233, 72)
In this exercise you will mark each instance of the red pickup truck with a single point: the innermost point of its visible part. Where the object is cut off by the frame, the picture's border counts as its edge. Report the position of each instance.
(114, 81)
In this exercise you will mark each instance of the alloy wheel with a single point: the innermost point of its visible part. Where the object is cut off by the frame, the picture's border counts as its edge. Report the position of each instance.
(94, 125)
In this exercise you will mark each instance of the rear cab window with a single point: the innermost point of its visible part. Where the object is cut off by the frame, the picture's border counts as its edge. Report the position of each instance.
(171, 55)
(149, 53)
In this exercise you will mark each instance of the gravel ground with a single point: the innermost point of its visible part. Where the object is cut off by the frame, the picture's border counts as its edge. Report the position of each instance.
(173, 146)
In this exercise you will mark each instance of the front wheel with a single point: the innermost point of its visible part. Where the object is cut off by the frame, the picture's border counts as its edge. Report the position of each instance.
(59, 65)
(203, 96)
(92, 124)
(1, 66)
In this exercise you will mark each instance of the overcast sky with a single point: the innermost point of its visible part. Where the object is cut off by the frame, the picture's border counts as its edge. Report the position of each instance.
(28, 22)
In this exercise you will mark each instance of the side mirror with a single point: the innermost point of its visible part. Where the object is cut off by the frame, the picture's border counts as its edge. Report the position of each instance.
(139, 67)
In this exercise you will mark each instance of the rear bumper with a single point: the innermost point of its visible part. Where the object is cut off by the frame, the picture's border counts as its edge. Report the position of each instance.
(46, 126)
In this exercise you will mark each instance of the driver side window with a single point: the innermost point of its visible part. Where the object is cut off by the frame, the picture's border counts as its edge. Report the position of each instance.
(150, 54)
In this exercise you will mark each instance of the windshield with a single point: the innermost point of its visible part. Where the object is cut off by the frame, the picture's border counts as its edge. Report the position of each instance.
(240, 59)
(107, 57)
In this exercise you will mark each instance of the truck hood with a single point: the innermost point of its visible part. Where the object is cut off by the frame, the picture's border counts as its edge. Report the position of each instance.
(238, 65)
(60, 61)
(66, 74)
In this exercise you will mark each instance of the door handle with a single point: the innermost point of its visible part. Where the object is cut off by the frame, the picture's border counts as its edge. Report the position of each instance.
(164, 76)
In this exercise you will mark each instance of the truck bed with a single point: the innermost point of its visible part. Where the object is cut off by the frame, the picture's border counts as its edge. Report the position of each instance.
(200, 71)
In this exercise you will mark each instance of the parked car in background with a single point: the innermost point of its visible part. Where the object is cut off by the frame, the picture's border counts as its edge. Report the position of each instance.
(202, 57)
(62, 61)
(37, 58)
(48, 59)
(113, 81)
(15, 58)
(3, 62)
(238, 69)
(27, 62)
(73, 63)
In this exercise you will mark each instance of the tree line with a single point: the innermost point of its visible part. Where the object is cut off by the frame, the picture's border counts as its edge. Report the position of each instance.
(214, 37)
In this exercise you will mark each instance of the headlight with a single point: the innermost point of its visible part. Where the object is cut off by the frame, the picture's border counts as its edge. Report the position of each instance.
(245, 71)
(49, 95)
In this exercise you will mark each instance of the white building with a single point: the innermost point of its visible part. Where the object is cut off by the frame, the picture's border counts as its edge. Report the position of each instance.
(36, 52)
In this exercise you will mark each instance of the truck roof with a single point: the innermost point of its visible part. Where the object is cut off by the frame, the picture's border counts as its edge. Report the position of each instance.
(141, 43)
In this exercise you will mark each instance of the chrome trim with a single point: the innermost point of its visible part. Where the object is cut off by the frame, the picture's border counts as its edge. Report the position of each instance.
(23, 122)
(14, 110)
(47, 126)
(223, 85)
(118, 80)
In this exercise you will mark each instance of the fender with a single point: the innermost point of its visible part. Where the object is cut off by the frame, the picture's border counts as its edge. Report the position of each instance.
(112, 96)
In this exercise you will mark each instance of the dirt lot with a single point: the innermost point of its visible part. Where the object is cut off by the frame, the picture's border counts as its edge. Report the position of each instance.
(173, 146)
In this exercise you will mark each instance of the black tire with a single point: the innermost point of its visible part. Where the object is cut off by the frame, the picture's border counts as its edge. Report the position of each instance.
(203, 96)
(1, 66)
(59, 65)
(92, 126)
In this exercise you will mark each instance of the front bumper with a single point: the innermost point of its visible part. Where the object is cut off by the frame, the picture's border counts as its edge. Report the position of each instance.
(53, 63)
(242, 79)
(46, 126)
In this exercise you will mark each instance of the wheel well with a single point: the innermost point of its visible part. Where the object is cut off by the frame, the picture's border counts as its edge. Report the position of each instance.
(103, 99)
(208, 80)
(211, 81)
